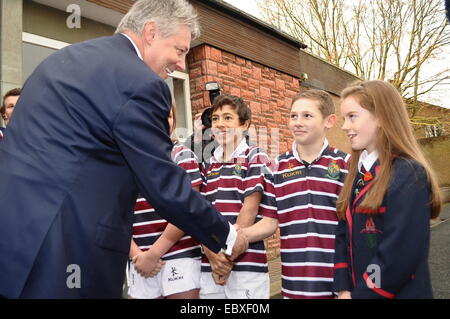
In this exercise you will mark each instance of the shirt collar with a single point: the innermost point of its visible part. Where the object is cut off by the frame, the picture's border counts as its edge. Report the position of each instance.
(218, 153)
(297, 156)
(367, 160)
(134, 44)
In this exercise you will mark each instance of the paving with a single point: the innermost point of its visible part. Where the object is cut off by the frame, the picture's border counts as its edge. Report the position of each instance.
(440, 255)
(439, 259)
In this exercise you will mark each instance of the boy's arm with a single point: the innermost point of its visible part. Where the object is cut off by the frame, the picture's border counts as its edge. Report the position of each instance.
(148, 262)
(136, 255)
(264, 228)
(170, 236)
(249, 210)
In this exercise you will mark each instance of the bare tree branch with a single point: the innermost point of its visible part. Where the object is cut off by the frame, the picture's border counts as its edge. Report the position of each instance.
(391, 39)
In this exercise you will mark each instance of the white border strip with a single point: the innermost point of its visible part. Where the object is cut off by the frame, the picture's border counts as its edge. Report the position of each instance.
(42, 41)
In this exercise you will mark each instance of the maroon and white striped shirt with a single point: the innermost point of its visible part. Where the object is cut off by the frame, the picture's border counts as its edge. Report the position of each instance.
(306, 197)
(148, 225)
(227, 184)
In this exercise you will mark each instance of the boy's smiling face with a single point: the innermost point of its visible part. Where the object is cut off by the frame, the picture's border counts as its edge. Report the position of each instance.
(306, 122)
(226, 126)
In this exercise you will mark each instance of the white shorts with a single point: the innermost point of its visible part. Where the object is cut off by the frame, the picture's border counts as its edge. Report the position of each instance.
(240, 285)
(177, 275)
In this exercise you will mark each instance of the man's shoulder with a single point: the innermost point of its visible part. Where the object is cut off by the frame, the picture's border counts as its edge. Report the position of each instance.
(115, 50)
(118, 51)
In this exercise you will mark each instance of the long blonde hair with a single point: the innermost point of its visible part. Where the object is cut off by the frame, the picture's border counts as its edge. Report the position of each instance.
(395, 137)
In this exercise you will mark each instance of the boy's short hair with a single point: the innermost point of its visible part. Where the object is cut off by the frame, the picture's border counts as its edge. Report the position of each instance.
(326, 104)
(236, 103)
(13, 92)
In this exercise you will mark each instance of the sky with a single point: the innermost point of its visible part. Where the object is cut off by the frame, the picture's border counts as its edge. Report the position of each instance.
(439, 97)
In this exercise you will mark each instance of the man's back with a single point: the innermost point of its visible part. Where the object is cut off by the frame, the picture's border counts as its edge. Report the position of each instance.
(63, 174)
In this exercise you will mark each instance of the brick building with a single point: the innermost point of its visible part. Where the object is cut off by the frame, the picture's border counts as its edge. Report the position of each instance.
(244, 55)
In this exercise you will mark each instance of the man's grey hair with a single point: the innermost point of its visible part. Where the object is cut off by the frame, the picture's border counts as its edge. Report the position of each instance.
(168, 15)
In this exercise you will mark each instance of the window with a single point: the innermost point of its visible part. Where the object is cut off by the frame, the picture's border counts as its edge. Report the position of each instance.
(36, 49)
(179, 86)
(434, 130)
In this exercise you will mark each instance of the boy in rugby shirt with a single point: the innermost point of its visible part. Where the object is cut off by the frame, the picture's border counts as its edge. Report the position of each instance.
(165, 261)
(236, 182)
(307, 182)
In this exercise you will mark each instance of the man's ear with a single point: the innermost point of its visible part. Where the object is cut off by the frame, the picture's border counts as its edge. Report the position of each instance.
(150, 30)
(330, 121)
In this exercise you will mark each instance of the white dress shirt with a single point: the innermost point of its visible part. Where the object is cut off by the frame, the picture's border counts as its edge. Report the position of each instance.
(367, 160)
(135, 46)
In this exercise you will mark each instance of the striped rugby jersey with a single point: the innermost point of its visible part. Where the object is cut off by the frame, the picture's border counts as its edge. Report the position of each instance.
(226, 185)
(306, 200)
(148, 225)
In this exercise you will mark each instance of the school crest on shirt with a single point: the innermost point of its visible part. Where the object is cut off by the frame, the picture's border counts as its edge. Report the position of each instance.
(237, 170)
(333, 170)
(291, 166)
(371, 232)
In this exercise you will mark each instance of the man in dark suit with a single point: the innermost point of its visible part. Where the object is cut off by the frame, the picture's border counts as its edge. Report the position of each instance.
(91, 132)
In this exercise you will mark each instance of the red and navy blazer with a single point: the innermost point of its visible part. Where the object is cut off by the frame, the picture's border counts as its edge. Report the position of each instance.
(385, 254)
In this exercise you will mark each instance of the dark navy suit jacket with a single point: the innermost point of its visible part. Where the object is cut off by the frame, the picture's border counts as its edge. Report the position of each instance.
(90, 131)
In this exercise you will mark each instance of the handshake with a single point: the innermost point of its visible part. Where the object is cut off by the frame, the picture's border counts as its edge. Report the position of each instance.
(148, 263)
(221, 264)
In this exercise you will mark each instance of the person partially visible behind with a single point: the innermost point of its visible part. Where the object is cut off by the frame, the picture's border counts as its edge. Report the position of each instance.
(201, 142)
(388, 198)
(165, 265)
(307, 181)
(8, 105)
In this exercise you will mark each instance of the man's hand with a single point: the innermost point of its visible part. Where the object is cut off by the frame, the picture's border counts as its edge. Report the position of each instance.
(241, 243)
(220, 264)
